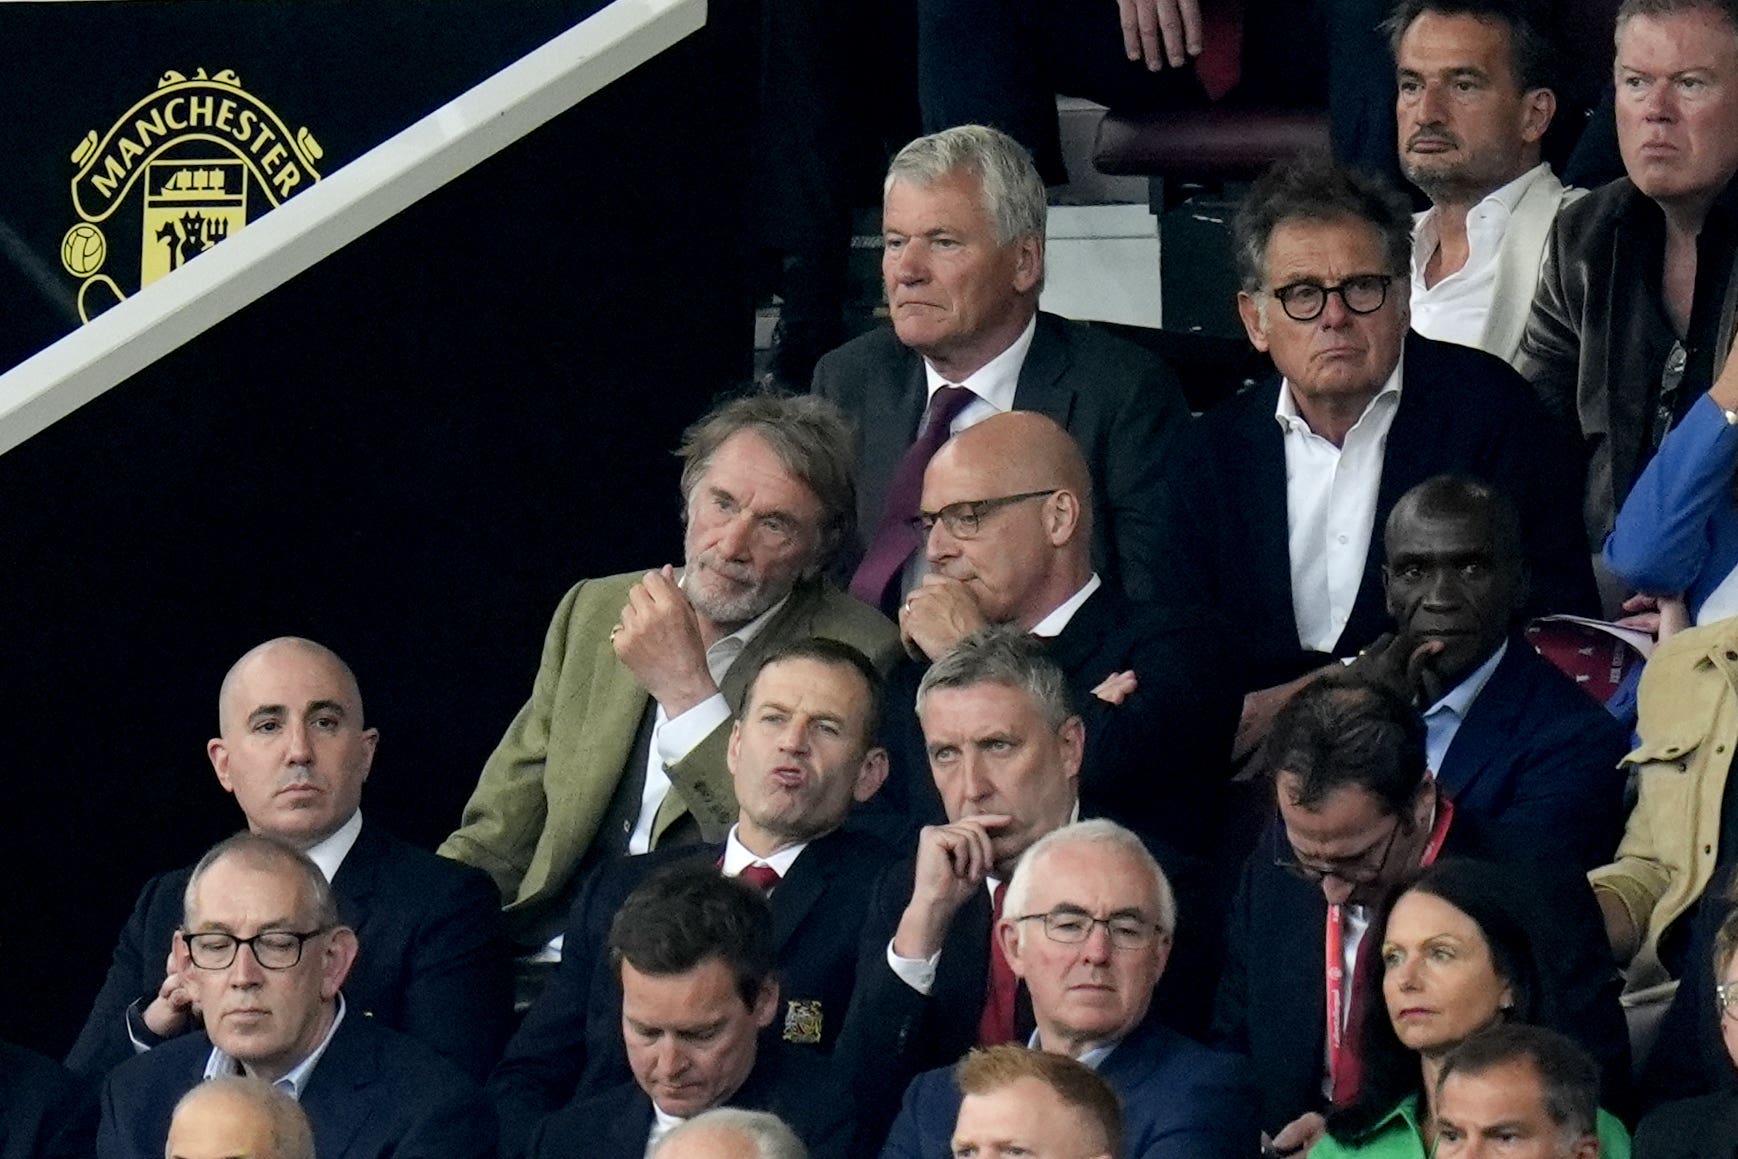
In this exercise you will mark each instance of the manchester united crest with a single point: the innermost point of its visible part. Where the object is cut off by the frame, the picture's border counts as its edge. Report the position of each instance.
(184, 168)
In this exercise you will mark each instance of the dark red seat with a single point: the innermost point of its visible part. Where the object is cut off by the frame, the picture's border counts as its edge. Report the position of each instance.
(1219, 143)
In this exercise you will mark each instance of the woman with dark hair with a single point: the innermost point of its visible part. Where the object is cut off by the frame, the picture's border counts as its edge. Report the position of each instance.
(1454, 960)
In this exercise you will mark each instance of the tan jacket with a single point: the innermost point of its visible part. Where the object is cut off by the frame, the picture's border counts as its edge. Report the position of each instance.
(1689, 727)
(547, 785)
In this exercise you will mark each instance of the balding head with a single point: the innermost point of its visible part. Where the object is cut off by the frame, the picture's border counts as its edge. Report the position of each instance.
(291, 743)
(238, 1118)
(732, 1133)
(1022, 558)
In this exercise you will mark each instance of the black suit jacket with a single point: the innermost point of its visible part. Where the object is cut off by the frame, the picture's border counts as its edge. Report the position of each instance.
(1699, 1128)
(571, 1038)
(45, 1113)
(615, 1123)
(374, 1093)
(1122, 405)
(432, 959)
(1461, 410)
(1272, 993)
(1535, 762)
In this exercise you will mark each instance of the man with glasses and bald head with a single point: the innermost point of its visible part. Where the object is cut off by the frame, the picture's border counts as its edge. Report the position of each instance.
(1286, 486)
(1358, 815)
(263, 949)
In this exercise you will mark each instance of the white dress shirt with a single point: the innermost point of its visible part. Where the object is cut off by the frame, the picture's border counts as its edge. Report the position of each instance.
(662, 1125)
(1444, 718)
(1053, 624)
(1456, 308)
(1330, 502)
(738, 857)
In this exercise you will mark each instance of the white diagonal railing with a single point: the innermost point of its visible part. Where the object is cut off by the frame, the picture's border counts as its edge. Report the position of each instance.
(338, 209)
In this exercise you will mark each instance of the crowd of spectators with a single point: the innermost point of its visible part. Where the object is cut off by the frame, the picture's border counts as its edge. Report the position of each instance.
(1019, 764)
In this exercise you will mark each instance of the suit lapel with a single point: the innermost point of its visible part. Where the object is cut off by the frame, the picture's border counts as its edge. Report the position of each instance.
(1259, 482)
(1518, 260)
(888, 427)
(359, 873)
(1079, 639)
(1040, 387)
(797, 894)
(332, 1098)
(1490, 722)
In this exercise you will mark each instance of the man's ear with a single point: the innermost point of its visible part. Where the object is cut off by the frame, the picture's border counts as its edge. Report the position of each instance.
(371, 741)
(1008, 933)
(1028, 263)
(1072, 734)
(1538, 106)
(218, 753)
(336, 960)
(1061, 516)
(766, 1003)
(871, 775)
(1254, 324)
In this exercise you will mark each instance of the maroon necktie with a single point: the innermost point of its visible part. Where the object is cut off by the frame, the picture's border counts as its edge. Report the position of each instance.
(895, 539)
(762, 877)
(997, 1024)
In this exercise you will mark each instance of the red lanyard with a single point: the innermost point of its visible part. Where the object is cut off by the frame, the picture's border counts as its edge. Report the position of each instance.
(1340, 1063)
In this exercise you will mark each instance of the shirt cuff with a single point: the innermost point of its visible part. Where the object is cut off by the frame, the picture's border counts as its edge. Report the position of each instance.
(918, 973)
(140, 1035)
(681, 735)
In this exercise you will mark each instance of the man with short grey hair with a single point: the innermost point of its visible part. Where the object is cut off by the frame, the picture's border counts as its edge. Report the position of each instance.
(732, 1133)
(963, 263)
(1088, 923)
(621, 747)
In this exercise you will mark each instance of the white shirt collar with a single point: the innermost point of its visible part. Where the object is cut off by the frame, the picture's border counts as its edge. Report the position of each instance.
(1491, 214)
(1057, 620)
(1458, 699)
(295, 1081)
(738, 857)
(1292, 421)
(329, 853)
(995, 380)
(1092, 1057)
(662, 1124)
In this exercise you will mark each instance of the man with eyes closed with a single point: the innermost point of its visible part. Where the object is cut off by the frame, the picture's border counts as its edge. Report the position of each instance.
(294, 751)
(621, 748)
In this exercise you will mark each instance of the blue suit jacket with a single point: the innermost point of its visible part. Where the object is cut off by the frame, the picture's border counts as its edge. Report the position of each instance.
(1180, 1101)
(1461, 410)
(433, 959)
(571, 1039)
(374, 1093)
(1535, 761)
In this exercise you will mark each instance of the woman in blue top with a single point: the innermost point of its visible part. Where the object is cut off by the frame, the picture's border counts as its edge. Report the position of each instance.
(1454, 960)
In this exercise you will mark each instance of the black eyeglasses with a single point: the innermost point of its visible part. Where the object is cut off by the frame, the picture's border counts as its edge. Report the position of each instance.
(273, 949)
(1071, 927)
(963, 520)
(1362, 294)
(1358, 869)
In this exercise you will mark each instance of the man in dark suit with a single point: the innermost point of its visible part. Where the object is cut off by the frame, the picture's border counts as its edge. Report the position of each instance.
(1088, 926)
(801, 753)
(1005, 749)
(1286, 487)
(693, 951)
(963, 218)
(1359, 815)
(294, 752)
(1008, 516)
(621, 747)
(265, 953)
(45, 1113)
(1513, 742)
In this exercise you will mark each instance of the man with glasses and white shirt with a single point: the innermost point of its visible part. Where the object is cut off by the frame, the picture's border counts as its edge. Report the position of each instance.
(1286, 487)
(1358, 815)
(1088, 925)
(263, 950)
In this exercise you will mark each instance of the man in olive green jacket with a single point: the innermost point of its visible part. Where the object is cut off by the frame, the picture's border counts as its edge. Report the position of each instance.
(621, 747)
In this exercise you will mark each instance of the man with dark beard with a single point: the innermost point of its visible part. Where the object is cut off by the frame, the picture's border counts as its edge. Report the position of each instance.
(621, 747)
(1475, 100)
